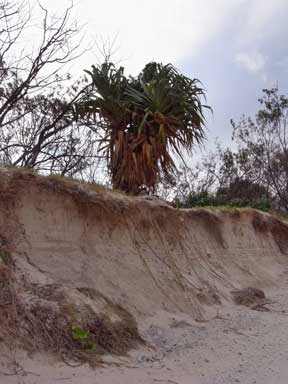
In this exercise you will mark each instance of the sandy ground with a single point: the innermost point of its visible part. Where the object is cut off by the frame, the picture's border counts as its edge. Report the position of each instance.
(238, 346)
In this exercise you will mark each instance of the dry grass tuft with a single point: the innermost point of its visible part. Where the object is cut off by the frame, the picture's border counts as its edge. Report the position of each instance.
(248, 296)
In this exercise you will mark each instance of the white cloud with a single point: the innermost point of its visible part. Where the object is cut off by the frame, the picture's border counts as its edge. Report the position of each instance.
(252, 62)
(261, 12)
(283, 63)
(174, 30)
(259, 23)
(162, 30)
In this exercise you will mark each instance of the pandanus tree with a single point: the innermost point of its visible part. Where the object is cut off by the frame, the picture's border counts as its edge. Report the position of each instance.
(144, 121)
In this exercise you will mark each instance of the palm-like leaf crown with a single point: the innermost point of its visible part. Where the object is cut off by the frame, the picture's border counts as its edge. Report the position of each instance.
(144, 120)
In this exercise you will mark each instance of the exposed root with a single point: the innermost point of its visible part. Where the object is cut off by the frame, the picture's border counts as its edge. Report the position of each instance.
(44, 318)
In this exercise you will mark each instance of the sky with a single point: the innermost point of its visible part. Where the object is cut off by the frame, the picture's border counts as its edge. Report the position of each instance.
(235, 47)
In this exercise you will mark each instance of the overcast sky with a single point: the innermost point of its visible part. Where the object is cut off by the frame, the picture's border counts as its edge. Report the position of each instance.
(235, 47)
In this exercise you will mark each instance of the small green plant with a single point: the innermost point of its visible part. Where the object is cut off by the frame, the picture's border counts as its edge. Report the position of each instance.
(82, 336)
(79, 333)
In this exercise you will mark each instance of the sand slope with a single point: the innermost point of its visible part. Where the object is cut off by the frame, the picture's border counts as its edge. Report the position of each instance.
(140, 253)
(151, 259)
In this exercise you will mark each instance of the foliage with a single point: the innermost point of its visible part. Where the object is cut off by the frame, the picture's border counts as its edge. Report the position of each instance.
(81, 335)
(143, 120)
(137, 127)
(263, 147)
(211, 200)
(255, 174)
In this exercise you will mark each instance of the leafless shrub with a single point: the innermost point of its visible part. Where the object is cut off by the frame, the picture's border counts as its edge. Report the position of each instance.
(38, 126)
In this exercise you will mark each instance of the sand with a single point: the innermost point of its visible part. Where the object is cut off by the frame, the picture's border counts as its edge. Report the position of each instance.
(240, 346)
(172, 270)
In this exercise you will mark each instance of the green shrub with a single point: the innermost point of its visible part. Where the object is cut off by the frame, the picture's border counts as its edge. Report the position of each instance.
(205, 199)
